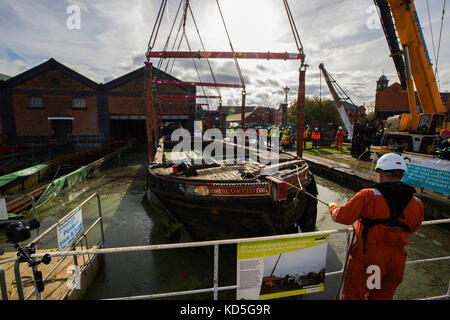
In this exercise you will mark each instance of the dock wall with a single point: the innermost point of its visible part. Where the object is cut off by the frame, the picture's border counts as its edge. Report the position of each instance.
(437, 206)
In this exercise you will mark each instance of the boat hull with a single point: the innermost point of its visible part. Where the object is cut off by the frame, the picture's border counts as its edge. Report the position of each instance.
(210, 210)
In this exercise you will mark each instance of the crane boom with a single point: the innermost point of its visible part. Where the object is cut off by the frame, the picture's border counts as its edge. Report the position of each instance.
(337, 101)
(414, 131)
(387, 23)
(410, 34)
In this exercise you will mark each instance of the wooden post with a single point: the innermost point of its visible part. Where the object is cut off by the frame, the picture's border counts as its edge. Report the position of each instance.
(220, 116)
(159, 121)
(149, 108)
(301, 111)
(243, 111)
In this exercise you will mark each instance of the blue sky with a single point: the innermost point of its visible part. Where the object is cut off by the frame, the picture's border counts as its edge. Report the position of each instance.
(114, 34)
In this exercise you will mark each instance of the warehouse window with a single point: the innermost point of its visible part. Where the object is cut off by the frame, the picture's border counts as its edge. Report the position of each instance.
(78, 103)
(35, 102)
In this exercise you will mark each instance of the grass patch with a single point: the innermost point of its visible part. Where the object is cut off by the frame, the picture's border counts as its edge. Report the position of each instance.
(333, 154)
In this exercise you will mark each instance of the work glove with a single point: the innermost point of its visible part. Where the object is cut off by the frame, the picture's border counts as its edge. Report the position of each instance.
(330, 204)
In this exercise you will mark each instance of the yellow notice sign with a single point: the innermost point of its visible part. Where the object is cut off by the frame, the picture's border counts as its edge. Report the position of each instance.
(281, 268)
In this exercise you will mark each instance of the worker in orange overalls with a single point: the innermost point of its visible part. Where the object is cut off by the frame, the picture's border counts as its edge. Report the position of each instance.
(315, 137)
(339, 138)
(387, 213)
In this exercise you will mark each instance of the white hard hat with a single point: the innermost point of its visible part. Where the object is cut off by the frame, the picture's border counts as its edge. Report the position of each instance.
(391, 161)
(316, 129)
(340, 128)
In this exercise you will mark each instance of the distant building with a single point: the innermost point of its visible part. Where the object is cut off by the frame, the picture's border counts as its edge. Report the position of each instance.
(280, 115)
(47, 102)
(256, 115)
(391, 99)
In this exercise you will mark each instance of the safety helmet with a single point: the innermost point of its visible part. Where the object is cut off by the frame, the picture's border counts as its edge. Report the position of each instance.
(340, 128)
(391, 161)
(316, 129)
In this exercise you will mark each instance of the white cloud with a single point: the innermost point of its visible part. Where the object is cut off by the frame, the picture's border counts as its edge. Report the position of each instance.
(114, 36)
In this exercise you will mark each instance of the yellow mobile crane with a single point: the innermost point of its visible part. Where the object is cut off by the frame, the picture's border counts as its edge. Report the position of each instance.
(414, 131)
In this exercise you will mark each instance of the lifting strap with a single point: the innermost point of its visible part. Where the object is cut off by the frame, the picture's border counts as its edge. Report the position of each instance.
(397, 195)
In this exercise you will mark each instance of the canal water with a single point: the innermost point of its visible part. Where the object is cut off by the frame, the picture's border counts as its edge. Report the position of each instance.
(129, 221)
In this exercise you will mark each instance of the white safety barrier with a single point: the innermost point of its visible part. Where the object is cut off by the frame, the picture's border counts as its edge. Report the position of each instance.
(216, 243)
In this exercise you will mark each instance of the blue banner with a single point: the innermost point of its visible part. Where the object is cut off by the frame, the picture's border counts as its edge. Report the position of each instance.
(428, 173)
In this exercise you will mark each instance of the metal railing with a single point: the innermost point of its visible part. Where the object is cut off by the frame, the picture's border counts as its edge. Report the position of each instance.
(215, 289)
(33, 201)
(74, 254)
(86, 140)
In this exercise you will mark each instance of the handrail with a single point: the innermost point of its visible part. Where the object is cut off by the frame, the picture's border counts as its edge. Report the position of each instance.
(33, 204)
(36, 240)
(215, 289)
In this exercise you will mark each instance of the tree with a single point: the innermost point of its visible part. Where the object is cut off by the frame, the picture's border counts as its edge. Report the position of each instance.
(318, 112)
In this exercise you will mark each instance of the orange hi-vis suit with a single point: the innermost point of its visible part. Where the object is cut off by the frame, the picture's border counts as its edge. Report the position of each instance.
(339, 138)
(387, 214)
(315, 137)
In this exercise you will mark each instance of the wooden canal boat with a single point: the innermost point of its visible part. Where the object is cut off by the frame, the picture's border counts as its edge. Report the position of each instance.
(220, 201)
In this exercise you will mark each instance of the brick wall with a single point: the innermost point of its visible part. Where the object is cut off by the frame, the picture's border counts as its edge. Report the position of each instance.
(34, 122)
(57, 90)
(53, 80)
(128, 99)
(392, 99)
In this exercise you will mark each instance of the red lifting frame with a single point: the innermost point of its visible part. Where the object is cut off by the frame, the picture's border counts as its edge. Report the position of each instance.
(197, 84)
(226, 55)
(169, 96)
(182, 103)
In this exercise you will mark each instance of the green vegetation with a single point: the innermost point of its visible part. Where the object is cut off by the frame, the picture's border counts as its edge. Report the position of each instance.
(335, 155)
(318, 112)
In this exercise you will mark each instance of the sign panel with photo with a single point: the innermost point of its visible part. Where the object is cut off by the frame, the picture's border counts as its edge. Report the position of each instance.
(281, 268)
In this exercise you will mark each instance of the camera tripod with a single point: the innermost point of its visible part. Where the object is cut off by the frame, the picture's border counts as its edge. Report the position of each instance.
(24, 255)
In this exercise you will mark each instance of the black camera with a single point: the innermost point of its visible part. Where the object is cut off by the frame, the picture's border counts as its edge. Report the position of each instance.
(21, 231)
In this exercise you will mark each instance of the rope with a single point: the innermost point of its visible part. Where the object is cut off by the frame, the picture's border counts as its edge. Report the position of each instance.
(207, 60)
(440, 36)
(431, 30)
(168, 37)
(297, 39)
(231, 46)
(29, 282)
(195, 65)
(303, 190)
(178, 48)
(346, 263)
(157, 25)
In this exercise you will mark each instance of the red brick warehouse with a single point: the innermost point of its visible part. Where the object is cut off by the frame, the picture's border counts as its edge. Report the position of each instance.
(51, 101)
